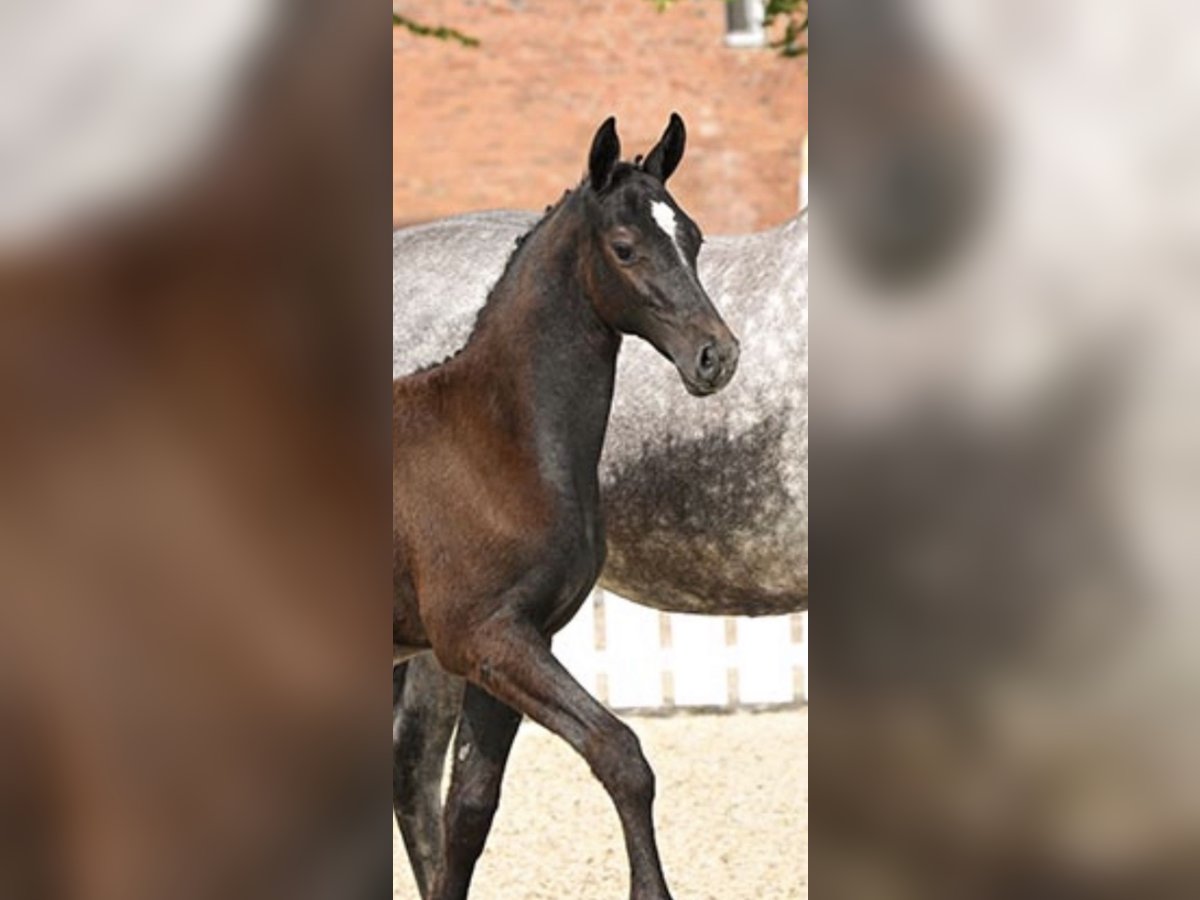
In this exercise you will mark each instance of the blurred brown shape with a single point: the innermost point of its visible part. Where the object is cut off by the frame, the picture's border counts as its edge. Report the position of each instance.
(193, 526)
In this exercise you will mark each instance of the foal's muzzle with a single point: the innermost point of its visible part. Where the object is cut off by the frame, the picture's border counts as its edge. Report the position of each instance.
(714, 365)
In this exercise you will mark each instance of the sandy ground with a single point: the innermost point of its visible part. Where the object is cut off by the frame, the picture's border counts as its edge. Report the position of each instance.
(732, 814)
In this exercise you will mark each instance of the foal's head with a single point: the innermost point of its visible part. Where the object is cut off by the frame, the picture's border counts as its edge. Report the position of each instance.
(642, 271)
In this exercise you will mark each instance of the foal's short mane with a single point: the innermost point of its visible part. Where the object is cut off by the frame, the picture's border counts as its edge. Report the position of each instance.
(621, 172)
(488, 304)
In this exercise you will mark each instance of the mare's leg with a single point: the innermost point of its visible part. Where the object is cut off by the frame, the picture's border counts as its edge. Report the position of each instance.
(486, 729)
(515, 664)
(425, 705)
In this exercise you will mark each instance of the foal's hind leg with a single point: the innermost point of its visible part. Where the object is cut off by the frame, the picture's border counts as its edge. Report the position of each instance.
(486, 729)
(425, 705)
(515, 664)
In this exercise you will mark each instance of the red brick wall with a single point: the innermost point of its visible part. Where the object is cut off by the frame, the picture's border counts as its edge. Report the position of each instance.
(509, 124)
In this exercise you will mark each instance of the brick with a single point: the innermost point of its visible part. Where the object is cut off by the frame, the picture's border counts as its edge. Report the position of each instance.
(508, 124)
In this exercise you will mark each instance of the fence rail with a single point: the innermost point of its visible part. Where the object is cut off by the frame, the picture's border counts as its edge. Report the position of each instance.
(638, 658)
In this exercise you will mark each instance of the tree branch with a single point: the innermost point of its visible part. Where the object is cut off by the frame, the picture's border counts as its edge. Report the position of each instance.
(441, 32)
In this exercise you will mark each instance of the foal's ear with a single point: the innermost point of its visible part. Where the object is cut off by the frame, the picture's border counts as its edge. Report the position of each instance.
(664, 158)
(606, 150)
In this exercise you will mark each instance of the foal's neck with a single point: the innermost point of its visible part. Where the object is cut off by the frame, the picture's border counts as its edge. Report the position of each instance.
(559, 357)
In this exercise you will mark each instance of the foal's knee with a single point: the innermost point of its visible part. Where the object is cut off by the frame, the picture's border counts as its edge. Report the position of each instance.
(469, 813)
(622, 767)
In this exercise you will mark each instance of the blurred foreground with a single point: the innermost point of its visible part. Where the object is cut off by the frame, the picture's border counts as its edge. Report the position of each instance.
(1004, 451)
(193, 356)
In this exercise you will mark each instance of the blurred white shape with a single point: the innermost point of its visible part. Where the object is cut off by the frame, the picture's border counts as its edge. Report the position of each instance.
(102, 103)
(804, 173)
(1058, 358)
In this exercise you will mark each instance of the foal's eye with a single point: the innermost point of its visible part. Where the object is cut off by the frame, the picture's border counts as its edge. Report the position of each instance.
(624, 251)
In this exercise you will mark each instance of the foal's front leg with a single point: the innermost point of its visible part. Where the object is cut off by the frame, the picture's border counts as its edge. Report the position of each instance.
(486, 728)
(515, 665)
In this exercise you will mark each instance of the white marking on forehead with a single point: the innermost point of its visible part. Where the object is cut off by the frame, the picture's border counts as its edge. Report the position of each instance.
(664, 218)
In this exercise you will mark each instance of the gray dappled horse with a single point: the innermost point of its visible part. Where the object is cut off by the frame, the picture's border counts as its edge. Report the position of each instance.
(706, 507)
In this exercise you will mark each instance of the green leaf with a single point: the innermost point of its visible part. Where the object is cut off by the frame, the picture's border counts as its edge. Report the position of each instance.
(794, 11)
(796, 14)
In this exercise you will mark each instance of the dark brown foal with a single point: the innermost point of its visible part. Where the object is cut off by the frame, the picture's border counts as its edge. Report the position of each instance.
(496, 515)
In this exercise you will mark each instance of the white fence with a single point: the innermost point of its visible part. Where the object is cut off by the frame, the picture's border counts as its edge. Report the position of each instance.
(637, 658)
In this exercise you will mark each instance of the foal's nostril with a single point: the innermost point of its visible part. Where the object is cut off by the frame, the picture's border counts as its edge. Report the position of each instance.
(708, 363)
